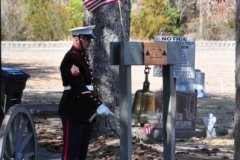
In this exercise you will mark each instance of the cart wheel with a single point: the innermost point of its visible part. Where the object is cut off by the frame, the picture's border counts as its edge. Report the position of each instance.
(1, 115)
(18, 135)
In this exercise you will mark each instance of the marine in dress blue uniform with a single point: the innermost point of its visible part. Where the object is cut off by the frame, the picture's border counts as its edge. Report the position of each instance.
(78, 102)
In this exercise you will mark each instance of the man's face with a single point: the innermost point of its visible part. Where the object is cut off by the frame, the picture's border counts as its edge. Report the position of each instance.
(85, 43)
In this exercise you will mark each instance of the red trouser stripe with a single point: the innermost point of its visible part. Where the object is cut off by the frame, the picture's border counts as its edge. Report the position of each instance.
(67, 140)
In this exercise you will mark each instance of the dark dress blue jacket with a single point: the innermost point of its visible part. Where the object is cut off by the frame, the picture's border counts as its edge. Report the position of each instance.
(77, 103)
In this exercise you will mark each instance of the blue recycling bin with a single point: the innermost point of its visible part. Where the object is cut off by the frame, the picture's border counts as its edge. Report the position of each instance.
(13, 82)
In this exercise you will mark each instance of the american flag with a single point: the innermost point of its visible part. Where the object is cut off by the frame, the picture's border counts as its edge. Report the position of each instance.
(148, 128)
(92, 5)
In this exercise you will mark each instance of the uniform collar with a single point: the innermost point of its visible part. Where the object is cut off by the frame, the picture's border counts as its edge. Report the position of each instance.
(79, 51)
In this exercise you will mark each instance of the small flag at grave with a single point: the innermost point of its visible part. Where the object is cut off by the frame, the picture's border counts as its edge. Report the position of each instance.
(148, 128)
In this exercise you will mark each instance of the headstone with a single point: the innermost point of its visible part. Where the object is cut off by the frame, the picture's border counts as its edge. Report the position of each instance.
(185, 84)
(186, 112)
(186, 109)
(196, 84)
(199, 86)
(200, 78)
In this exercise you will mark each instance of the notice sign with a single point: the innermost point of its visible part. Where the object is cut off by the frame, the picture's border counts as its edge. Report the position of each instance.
(185, 69)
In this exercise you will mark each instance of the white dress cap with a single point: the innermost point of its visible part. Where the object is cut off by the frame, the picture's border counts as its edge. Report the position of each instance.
(87, 30)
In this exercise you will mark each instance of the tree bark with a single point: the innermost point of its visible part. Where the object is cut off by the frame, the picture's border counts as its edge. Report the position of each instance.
(237, 79)
(108, 29)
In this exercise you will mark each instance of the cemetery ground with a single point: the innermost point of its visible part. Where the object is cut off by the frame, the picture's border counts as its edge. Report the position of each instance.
(45, 87)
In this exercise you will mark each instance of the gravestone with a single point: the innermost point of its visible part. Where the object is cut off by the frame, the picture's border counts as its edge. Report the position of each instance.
(186, 84)
(186, 112)
(200, 78)
(196, 84)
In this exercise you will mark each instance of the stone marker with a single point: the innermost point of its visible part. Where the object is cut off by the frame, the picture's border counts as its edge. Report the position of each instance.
(186, 109)
(209, 123)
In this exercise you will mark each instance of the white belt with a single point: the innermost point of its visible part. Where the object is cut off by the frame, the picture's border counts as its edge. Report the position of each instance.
(89, 87)
(67, 88)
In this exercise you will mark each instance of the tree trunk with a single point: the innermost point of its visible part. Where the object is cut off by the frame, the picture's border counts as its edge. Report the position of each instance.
(108, 29)
(237, 79)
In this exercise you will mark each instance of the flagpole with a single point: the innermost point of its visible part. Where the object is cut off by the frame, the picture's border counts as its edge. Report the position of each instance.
(120, 11)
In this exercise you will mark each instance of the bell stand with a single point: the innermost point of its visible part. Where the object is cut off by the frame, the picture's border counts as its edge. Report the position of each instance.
(126, 54)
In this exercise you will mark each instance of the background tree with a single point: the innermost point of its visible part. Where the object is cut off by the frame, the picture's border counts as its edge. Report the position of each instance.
(48, 22)
(237, 79)
(189, 12)
(153, 17)
(175, 23)
(13, 16)
(39, 20)
(212, 20)
(217, 22)
(108, 29)
(75, 13)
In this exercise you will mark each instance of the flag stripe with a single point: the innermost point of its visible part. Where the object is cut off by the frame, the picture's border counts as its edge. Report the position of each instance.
(148, 128)
(92, 5)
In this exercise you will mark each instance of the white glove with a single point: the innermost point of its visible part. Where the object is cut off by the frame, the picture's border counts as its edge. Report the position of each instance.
(89, 87)
(103, 110)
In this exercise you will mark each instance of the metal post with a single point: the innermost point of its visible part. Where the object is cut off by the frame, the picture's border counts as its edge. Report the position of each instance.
(169, 105)
(125, 112)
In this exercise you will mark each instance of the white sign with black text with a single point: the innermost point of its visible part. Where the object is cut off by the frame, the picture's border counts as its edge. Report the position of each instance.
(186, 69)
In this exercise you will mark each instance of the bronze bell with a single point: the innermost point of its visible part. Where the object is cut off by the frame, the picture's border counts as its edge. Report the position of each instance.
(143, 109)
